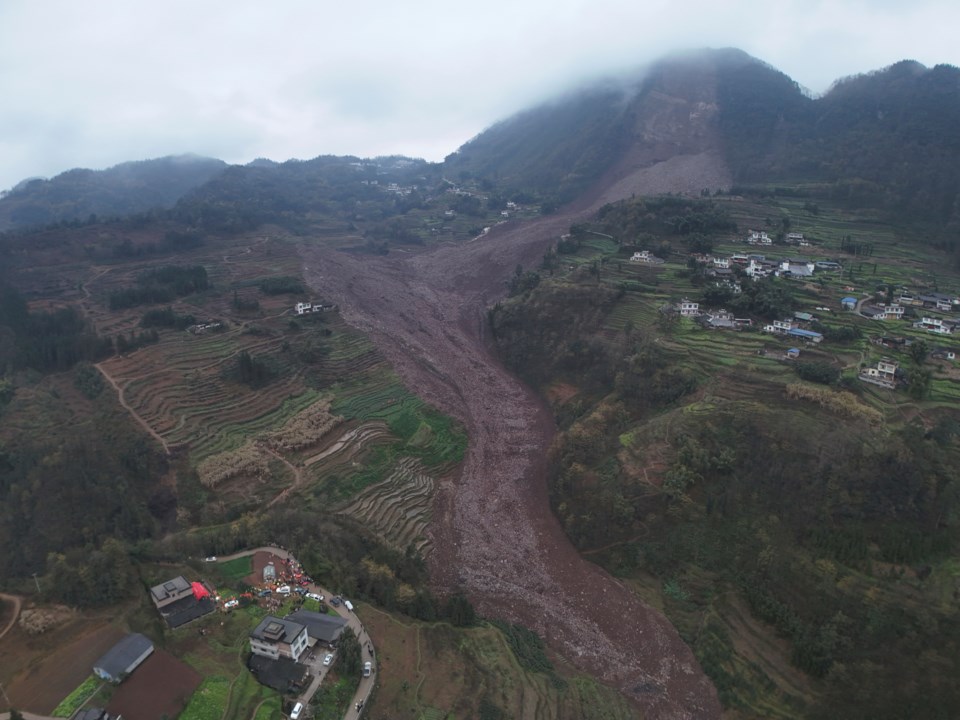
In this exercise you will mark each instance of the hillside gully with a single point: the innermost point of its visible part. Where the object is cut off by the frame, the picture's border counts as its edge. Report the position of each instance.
(494, 535)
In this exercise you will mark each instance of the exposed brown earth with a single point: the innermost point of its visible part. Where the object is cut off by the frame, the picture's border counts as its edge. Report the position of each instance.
(68, 655)
(493, 533)
(159, 688)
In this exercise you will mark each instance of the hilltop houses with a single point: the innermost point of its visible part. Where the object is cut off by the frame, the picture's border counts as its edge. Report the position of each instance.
(938, 326)
(645, 256)
(687, 308)
(882, 311)
(797, 268)
(790, 327)
(758, 238)
(760, 267)
(303, 308)
(884, 374)
(719, 320)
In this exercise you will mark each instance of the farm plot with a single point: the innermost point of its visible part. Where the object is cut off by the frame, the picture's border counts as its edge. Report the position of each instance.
(179, 388)
(50, 667)
(158, 689)
(397, 509)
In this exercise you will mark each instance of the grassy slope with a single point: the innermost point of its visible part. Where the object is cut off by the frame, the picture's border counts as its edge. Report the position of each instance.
(432, 670)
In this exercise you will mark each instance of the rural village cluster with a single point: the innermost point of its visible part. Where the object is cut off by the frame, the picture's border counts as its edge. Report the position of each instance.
(290, 651)
(930, 308)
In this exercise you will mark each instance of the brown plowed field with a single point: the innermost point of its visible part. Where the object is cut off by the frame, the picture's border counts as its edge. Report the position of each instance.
(41, 686)
(493, 532)
(159, 688)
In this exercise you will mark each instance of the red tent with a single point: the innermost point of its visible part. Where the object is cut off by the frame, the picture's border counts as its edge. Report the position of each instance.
(199, 591)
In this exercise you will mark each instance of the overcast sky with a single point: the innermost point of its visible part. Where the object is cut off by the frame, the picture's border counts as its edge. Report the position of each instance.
(92, 84)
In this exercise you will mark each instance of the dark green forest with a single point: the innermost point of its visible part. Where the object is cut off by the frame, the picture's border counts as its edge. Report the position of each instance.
(44, 341)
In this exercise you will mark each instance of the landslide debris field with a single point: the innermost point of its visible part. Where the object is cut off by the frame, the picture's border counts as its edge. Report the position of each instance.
(493, 533)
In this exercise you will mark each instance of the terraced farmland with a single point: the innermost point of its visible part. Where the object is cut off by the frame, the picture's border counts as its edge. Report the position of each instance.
(179, 388)
(398, 509)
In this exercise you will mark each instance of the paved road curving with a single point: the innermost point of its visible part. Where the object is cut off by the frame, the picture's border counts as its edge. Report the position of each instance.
(366, 684)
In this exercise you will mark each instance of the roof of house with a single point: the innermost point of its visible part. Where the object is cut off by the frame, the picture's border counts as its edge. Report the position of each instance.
(322, 627)
(187, 609)
(124, 656)
(804, 333)
(169, 589)
(275, 630)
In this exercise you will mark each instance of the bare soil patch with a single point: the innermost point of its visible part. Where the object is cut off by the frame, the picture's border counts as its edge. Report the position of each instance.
(159, 688)
(494, 534)
(52, 665)
(559, 393)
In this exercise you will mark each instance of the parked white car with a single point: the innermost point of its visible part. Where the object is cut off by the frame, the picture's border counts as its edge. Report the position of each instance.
(231, 604)
(328, 659)
(314, 596)
(284, 590)
(367, 668)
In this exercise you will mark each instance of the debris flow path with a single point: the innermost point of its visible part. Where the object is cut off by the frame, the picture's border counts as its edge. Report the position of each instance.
(494, 535)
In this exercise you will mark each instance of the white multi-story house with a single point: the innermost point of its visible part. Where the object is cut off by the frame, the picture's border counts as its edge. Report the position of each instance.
(779, 327)
(759, 238)
(935, 325)
(882, 311)
(645, 256)
(688, 308)
(278, 637)
(761, 268)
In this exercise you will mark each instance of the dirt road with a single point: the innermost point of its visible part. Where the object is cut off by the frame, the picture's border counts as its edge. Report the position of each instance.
(494, 534)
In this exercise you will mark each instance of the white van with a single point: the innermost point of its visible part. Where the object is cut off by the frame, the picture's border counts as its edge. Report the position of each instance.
(367, 668)
(295, 713)
(348, 605)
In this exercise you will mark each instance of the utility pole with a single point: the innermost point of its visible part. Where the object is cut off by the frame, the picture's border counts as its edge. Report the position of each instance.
(37, 582)
(9, 704)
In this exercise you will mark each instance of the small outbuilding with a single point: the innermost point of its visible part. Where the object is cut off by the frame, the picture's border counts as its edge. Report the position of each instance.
(123, 658)
(849, 303)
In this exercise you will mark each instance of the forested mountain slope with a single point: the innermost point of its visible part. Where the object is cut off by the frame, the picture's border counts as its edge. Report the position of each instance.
(886, 139)
(124, 189)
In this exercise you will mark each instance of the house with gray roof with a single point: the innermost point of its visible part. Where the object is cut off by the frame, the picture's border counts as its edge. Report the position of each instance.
(321, 628)
(123, 658)
(170, 591)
